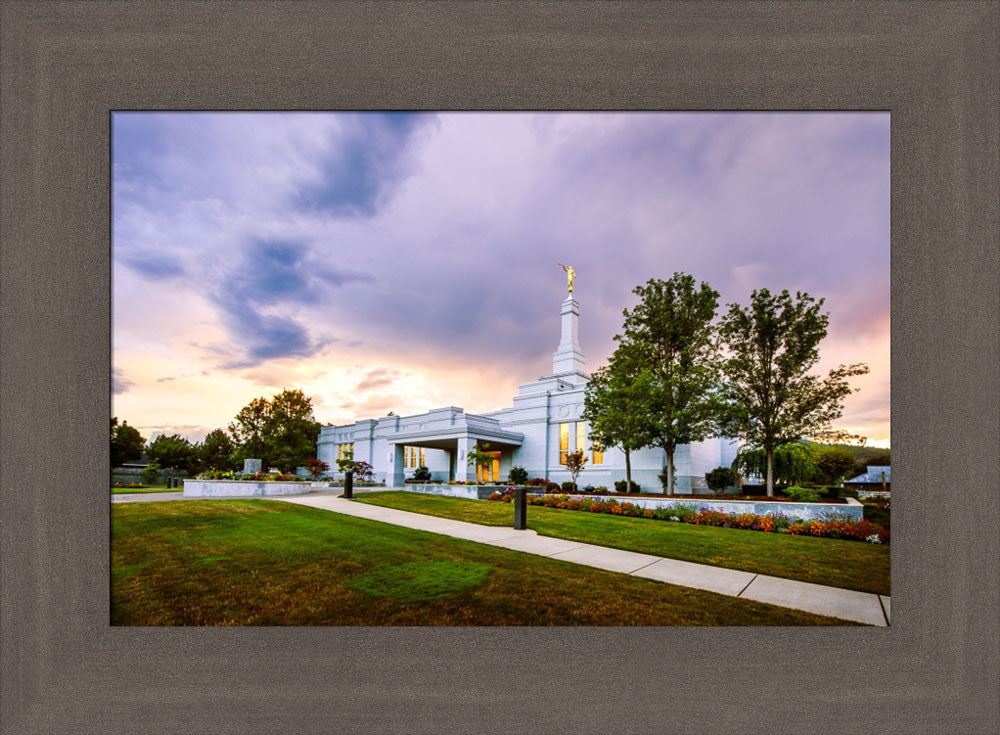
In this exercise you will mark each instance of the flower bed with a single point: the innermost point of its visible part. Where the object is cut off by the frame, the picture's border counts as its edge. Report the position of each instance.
(129, 484)
(830, 526)
(255, 477)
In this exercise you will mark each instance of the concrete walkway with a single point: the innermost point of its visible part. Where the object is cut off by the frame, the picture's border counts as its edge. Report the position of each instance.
(860, 607)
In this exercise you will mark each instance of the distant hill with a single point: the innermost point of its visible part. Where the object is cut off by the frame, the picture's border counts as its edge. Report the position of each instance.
(864, 455)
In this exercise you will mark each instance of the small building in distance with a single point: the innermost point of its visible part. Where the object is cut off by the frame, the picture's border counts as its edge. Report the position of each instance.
(536, 432)
(876, 477)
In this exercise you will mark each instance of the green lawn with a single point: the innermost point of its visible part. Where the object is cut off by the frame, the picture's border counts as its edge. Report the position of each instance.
(848, 564)
(149, 489)
(266, 562)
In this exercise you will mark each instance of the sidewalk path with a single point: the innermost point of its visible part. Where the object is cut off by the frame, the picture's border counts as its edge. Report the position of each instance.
(860, 607)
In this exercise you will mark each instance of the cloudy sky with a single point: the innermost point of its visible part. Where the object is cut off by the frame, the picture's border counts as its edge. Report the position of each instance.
(409, 261)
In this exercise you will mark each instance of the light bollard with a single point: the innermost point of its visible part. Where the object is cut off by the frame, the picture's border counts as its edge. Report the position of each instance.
(348, 485)
(520, 508)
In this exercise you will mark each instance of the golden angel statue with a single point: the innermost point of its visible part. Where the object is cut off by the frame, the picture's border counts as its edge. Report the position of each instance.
(570, 275)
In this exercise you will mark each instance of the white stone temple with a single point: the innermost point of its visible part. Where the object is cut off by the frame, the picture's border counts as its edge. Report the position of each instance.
(536, 433)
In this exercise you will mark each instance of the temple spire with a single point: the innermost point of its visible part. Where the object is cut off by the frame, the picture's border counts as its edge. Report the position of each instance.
(567, 360)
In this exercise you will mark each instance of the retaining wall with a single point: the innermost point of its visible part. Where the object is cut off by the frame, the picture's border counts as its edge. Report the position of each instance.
(804, 511)
(242, 488)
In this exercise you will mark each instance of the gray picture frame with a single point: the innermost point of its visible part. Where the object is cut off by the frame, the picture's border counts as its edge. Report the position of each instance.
(66, 65)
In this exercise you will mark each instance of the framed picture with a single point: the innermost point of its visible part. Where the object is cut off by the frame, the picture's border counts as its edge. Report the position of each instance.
(931, 68)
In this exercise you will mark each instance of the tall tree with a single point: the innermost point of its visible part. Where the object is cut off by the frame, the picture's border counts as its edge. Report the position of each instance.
(217, 450)
(281, 432)
(126, 442)
(670, 335)
(173, 451)
(771, 399)
(833, 463)
(291, 431)
(618, 407)
(247, 429)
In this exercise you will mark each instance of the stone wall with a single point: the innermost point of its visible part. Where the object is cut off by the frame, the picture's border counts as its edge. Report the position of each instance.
(242, 488)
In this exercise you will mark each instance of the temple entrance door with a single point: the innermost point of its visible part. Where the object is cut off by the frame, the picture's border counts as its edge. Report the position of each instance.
(490, 473)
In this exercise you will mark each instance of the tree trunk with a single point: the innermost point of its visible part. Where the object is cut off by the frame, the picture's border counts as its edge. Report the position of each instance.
(670, 471)
(770, 472)
(628, 472)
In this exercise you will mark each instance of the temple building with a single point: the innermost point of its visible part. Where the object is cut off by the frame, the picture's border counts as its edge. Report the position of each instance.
(536, 432)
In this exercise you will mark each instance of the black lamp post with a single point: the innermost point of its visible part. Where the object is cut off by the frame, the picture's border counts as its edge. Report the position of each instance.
(348, 485)
(520, 508)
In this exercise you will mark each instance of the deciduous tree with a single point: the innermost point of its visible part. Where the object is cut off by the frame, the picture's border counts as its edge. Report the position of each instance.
(126, 442)
(173, 451)
(281, 432)
(618, 405)
(574, 464)
(833, 463)
(670, 334)
(217, 450)
(771, 399)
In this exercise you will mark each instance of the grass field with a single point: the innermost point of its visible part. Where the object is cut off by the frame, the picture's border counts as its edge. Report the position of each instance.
(149, 489)
(265, 562)
(848, 564)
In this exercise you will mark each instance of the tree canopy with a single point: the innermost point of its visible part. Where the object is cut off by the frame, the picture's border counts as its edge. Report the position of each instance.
(618, 404)
(281, 432)
(173, 451)
(669, 333)
(217, 451)
(126, 442)
(770, 397)
(833, 463)
(793, 463)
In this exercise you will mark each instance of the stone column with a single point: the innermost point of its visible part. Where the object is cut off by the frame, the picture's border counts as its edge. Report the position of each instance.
(394, 477)
(463, 472)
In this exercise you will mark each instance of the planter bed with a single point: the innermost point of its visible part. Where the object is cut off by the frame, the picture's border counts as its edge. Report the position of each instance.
(242, 488)
(848, 507)
(805, 511)
(742, 498)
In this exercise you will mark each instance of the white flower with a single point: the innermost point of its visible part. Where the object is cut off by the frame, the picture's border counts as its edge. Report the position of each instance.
(674, 518)
(874, 539)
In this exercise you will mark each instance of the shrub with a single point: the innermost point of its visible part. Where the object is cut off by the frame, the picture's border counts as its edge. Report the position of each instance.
(621, 486)
(664, 478)
(802, 494)
(518, 476)
(601, 489)
(720, 478)
(152, 473)
(317, 467)
(569, 486)
(552, 487)
(877, 512)
(536, 481)
(422, 474)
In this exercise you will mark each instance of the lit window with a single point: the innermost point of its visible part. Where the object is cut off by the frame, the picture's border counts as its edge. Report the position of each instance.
(581, 435)
(422, 457)
(598, 453)
(563, 442)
